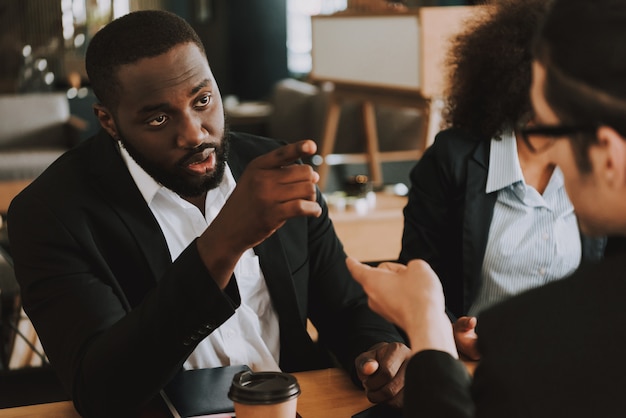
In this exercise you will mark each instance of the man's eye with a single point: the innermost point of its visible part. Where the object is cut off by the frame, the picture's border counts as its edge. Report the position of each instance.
(158, 121)
(204, 101)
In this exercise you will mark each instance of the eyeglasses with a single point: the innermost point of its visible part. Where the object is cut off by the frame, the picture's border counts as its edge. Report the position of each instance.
(552, 133)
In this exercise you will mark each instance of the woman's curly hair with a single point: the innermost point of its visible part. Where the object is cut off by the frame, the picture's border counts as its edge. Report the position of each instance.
(490, 68)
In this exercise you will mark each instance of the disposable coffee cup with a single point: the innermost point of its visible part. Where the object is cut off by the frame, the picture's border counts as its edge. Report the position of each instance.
(264, 394)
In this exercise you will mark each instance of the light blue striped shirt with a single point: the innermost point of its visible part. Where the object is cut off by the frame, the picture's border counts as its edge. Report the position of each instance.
(533, 238)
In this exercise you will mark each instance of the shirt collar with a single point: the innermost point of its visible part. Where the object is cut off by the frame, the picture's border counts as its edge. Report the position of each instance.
(504, 168)
(148, 186)
(556, 182)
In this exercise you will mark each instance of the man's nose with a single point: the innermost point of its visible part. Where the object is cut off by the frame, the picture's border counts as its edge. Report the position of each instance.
(191, 132)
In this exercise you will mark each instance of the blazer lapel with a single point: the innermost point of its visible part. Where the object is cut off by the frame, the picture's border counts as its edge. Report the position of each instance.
(272, 258)
(126, 200)
(478, 213)
(278, 278)
(297, 351)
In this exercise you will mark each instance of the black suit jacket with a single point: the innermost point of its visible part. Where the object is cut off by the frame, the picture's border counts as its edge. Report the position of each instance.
(117, 318)
(555, 351)
(448, 215)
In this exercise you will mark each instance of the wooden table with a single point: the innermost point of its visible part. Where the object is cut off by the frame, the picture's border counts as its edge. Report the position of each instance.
(373, 235)
(8, 190)
(325, 393)
(329, 393)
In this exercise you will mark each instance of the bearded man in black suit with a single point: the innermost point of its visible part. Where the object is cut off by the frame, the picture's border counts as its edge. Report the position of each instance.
(167, 242)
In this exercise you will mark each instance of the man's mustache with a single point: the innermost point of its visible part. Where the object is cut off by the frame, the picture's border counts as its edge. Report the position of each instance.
(195, 155)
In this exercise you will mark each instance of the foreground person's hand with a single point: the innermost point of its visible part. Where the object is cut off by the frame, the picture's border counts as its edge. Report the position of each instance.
(412, 298)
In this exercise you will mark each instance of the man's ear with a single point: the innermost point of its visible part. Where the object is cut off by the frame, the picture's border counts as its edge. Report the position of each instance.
(105, 117)
(609, 156)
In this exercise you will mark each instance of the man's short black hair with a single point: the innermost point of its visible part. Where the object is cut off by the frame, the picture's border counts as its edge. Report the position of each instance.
(126, 40)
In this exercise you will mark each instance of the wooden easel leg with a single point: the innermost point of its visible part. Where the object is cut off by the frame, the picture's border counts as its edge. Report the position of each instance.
(435, 119)
(371, 136)
(425, 139)
(328, 140)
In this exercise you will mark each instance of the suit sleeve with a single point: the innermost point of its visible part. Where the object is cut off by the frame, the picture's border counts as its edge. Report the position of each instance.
(111, 358)
(437, 386)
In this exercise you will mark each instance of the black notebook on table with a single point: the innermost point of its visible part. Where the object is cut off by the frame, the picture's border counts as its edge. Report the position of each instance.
(201, 392)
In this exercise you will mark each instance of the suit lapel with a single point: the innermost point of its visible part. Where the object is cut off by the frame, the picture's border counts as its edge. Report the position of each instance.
(125, 199)
(271, 255)
(478, 213)
(297, 352)
(296, 348)
(278, 278)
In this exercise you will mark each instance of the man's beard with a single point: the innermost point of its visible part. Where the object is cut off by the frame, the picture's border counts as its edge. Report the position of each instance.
(178, 183)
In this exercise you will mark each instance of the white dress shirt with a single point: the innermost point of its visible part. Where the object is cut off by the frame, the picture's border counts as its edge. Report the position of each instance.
(533, 238)
(251, 336)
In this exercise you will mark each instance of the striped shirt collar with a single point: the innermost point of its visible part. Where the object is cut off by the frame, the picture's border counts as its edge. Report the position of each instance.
(504, 168)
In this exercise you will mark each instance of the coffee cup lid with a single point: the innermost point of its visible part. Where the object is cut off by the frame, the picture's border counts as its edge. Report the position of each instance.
(260, 388)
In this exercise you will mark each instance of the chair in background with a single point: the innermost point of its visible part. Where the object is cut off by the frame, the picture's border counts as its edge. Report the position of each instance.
(20, 346)
(35, 129)
(21, 383)
(9, 301)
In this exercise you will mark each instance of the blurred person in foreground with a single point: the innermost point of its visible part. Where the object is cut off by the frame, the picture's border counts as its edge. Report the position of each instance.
(167, 242)
(554, 351)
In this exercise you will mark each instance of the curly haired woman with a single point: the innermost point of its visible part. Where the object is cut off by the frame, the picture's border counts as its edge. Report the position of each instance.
(489, 215)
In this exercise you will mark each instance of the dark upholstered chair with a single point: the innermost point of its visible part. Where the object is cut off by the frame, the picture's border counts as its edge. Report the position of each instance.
(35, 129)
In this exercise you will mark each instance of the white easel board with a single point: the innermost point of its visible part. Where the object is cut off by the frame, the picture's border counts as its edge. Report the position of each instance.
(371, 50)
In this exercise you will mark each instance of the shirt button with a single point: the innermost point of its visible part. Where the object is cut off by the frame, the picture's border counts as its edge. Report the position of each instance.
(542, 271)
(545, 236)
